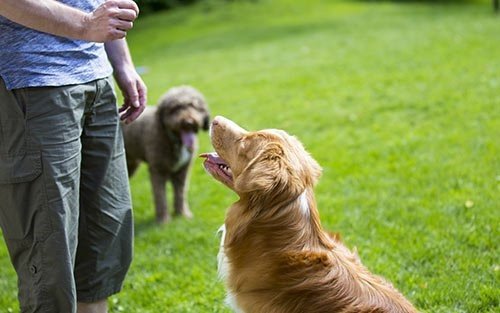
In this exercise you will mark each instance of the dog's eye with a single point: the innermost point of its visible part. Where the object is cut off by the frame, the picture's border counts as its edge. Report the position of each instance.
(240, 143)
(174, 109)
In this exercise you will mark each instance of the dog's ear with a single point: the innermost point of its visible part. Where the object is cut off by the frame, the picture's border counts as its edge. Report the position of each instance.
(314, 170)
(206, 122)
(269, 173)
(160, 112)
(304, 163)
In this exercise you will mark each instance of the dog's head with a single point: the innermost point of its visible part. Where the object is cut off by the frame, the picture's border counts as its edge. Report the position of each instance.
(268, 163)
(184, 111)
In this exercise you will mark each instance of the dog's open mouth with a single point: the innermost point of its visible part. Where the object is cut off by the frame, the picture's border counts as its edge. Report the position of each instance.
(188, 139)
(218, 168)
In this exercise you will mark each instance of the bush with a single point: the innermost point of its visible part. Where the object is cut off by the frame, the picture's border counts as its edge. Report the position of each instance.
(156, 5)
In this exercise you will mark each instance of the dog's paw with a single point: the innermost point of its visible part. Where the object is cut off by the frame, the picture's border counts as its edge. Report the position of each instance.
(162, 219)
(184, 212)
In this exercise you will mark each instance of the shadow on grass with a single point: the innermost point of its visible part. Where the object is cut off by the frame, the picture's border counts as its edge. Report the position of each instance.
(427, 1)
(232, 38)
(239, 35)
(494, 3)
(144, 225)
(147, 225)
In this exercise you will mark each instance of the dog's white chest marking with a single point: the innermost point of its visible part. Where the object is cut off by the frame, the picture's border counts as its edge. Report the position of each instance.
(304, 205)
(223, 270)
(222, 265)
(184, 158)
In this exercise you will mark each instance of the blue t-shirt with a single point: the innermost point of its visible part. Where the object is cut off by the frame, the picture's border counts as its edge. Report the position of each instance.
(29, 58)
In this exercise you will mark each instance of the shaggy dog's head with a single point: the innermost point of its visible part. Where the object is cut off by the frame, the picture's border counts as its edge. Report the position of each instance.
(267, 163)
(183, 111)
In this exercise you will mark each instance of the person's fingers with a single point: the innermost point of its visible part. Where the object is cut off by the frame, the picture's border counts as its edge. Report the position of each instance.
(133, 94)
(126, 15)
(127, 113)
(127, 4)
(132, 114)
(117, 34)
(143, 93)
(123, 108)
(127, 107)
(135, 114)
(123, 117)
(122, 25)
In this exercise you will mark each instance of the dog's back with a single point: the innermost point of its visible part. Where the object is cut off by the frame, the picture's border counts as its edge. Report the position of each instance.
(272, 270)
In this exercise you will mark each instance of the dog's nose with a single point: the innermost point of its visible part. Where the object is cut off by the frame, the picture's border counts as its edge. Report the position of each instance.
(189, 125)
(218, 120)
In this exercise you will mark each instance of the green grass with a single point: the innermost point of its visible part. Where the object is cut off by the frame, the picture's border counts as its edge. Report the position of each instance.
(400, 104)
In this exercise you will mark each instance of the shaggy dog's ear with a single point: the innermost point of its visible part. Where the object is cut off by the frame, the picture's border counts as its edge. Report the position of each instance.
(269, 173)
(161, 111)
(206, 122)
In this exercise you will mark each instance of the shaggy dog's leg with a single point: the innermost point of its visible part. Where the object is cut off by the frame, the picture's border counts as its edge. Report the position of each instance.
(158, 182)
(179, 181)
(132, 166)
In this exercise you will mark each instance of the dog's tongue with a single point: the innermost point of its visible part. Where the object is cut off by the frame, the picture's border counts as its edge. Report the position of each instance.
(188, 139)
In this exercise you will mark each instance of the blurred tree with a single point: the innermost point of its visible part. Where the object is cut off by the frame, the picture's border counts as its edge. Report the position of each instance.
(156, 5)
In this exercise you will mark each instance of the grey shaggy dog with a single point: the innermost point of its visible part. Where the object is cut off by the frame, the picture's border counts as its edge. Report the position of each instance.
(164, 137)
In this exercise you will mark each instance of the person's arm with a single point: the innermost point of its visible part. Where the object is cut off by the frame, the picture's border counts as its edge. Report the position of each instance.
(109, 21)
(133, 88)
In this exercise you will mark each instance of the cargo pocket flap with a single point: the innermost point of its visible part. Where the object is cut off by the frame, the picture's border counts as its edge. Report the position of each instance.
(19, 168)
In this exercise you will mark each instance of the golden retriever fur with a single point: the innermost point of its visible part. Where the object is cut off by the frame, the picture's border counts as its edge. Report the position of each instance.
(275, 257)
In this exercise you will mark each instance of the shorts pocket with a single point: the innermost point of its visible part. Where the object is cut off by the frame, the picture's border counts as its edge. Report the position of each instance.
(20, 168)
(23, 213)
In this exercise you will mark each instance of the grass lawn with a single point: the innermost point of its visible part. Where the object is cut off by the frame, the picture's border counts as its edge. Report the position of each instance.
(400, 104)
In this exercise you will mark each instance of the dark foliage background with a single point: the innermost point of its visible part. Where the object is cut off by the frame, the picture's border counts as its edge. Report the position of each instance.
(148, 6)
(157, 5)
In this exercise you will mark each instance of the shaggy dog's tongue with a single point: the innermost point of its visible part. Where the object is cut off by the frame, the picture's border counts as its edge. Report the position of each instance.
(188, 139)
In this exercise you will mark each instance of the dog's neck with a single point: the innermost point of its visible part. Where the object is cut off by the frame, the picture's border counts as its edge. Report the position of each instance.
(294, 222)
(179, 151)
(172, 137)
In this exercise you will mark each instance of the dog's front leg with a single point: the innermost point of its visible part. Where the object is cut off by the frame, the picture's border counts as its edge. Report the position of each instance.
(158, 182)
(180, 183)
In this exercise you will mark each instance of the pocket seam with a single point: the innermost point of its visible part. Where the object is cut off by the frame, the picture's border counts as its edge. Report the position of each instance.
(33, 159)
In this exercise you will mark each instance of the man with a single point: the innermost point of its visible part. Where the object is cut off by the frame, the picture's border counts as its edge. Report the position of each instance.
(65, 209)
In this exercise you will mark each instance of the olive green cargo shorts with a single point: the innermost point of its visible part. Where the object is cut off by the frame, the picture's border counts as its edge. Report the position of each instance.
(65, 208)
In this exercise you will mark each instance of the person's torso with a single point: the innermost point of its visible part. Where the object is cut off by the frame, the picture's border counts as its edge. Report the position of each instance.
(29, 58)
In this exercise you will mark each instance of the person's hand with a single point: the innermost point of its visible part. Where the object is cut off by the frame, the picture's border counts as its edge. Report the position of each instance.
(134, 94)
(110, 21)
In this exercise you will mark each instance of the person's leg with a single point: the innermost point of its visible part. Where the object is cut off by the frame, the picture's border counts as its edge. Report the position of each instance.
(39, 182)
(106, 226)
(95, 307)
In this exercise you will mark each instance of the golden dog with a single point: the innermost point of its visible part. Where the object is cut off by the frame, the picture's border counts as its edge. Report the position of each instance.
(274, 255)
